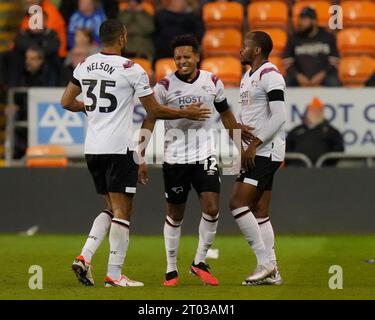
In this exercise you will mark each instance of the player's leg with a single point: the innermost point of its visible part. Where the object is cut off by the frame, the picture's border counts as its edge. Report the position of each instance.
(207, 231)
(206, 181)
(121, 177)
(242, 195)
(82, 263)
(172, 235)
(98, 232)
(261, 212)
(209, 202)
(177, 187)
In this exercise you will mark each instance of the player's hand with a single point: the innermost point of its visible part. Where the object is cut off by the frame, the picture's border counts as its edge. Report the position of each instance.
(248, 157)
(246, 133)
(142, 174)
(196, 112)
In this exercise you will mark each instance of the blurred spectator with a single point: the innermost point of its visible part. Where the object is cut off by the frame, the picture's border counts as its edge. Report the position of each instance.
(55, 22)
(311, 57)
(140, 27)
(46, 39)
(89, 15)
(68, 7)
(37, 73)
(172, 20)
(315, 136)
(83, 48)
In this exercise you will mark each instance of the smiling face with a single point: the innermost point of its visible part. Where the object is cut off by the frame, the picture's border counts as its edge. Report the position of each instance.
(186, 60)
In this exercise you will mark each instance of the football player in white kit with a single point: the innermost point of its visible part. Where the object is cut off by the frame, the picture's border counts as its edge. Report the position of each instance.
(187, 164)
(262, 107)
(108, 83)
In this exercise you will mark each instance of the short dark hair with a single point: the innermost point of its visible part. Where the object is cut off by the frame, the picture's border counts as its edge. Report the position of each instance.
(38, 50)
(264, 41)
(110, 30)
(185, 40)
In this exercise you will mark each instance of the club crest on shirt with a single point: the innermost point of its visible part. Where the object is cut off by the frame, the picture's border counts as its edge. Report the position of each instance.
(177, 93)
(208, 89)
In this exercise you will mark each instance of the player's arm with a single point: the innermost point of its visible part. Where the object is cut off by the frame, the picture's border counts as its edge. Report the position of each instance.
(227, 117)
(276, 120)
(157, 111)
(69, 101)
(230, 123)
(144, 138)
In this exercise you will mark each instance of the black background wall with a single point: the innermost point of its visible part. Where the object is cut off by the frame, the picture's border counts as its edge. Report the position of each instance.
(315, 201)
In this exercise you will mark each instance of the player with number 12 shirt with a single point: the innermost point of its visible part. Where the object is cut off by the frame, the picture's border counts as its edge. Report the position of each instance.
(108, 83)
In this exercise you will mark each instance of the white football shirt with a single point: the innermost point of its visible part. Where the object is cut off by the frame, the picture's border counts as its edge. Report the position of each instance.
(109, 83)
(188, 141)
(255, 110)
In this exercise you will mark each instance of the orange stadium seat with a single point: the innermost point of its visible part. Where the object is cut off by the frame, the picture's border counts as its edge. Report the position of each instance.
(223, 14)
(286, 1)
(228, 69)
(46, 156)
(321, 8)
(354, 71)
(358, 14)
(279, 39)
(163, 67)
(222, 42)
(145, 64)
(278, 62)
(272, 14)
(147, 6)
(356, 41)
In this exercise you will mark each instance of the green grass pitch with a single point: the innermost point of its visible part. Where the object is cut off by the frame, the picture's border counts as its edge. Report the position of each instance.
(304, 263)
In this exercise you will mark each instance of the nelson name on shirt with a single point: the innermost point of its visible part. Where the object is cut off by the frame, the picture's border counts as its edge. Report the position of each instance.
(100, 66)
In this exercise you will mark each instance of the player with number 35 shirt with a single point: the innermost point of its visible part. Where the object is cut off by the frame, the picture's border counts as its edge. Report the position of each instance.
(108, 83)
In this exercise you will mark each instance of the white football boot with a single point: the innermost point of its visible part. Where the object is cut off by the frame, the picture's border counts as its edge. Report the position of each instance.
(122, 282)
(82, 270)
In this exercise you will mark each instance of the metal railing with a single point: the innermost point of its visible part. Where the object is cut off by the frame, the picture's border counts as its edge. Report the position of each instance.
(299, 157)
(369, 159)
(11, 125)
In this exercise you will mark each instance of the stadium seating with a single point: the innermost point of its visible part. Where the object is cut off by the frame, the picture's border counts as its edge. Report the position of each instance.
(321, 8)
(354, 71)
(223, 14)
(358, 13)
(222, 42)
(145, 64)
(279, 38)
(356, 41)
(273, 14)
(164, 67)
(228, 69)
(46, 156)
(278, 62)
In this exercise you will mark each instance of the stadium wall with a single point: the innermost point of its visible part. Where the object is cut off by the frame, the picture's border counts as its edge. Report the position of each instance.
(313, 201)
